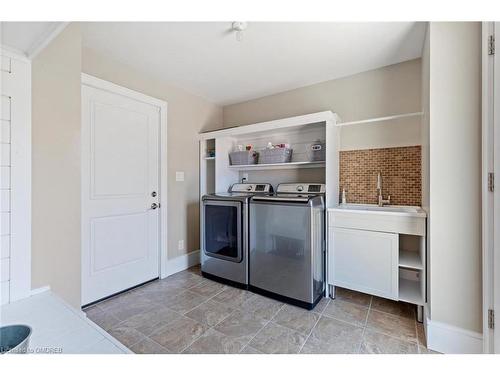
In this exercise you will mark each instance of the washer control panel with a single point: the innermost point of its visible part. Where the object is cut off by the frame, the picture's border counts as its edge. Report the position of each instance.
(251, 188)
(310, 188)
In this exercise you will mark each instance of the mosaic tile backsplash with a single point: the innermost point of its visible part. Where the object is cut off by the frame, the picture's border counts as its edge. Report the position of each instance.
(401, 175)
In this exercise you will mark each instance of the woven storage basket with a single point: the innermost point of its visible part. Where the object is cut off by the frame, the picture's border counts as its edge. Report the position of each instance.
(275, 155)
(316, 151)
(243, 157)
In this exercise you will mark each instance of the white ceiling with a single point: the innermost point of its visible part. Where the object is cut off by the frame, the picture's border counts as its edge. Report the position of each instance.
(26, 36)
(205, 59)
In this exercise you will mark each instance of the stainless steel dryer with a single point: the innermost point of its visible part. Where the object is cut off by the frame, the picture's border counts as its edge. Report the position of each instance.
(224, 242)
(287, 244)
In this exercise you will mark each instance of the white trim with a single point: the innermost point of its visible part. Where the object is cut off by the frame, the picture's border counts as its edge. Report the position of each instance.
(487, 196)
(183, 262)
(448, 339)
(381, 119)
(13, 53)
(163, 192)
(495, 279)
(42, 289)
(376, 147)
(45, 39)
(101, 84)
(326, 116)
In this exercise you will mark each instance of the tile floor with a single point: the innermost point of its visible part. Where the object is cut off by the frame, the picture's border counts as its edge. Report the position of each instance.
(186, 313)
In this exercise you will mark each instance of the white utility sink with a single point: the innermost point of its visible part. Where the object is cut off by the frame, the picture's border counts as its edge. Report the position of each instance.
(393, 219)
(398, 210)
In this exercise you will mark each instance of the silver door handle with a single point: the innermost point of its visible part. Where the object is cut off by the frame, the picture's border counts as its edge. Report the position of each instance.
(154, 206)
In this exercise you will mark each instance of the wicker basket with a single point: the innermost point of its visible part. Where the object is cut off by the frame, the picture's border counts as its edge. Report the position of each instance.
(316, 151)
(275, 155)
(243, 157)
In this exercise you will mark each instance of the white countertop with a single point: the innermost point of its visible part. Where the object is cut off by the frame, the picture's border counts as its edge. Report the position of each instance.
(58, 327)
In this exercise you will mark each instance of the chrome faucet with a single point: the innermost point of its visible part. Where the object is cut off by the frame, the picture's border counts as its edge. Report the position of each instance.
(381, 200)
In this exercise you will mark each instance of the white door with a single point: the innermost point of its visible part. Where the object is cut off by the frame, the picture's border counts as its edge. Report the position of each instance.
(120, 187)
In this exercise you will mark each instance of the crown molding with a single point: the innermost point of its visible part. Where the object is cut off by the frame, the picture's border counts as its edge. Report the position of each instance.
(45, 39)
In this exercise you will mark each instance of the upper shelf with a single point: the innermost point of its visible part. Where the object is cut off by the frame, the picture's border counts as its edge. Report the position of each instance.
(381, 119)
(292, 165)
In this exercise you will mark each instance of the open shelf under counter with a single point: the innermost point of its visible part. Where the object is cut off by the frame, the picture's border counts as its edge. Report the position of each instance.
(410, 259)
(291, 165)
(410, 291)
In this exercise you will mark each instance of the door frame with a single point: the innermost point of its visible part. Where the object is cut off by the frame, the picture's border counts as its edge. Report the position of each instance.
(91, 81)
(490, 200)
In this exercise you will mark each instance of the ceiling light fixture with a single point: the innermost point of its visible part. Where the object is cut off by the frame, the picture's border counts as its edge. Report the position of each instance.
(239, 27)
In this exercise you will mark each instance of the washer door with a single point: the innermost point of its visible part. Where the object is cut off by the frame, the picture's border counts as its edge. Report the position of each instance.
(222, 235)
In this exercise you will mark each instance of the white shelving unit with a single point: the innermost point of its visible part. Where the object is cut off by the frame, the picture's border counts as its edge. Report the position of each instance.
(412, 272)
(217, 175)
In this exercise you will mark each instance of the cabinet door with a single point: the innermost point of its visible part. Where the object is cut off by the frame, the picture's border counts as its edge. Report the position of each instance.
(365, 261)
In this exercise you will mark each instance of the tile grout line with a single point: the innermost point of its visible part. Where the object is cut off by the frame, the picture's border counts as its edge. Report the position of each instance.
(184, 315)
(364, 326)
(156, 305)
(209, 299)
(314, 326)
(265, 325)
(140, 291)
(192, 342)
(187, 317)
(390, 334)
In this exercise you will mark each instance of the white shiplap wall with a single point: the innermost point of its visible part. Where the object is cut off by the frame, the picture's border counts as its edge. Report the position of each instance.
(5, 164)
(15, 177)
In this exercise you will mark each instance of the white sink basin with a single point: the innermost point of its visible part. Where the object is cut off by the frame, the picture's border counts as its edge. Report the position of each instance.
(393, 219)
(398, 210)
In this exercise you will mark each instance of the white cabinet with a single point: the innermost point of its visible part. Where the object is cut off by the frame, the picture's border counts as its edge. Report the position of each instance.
(378, 250)
(363, 260)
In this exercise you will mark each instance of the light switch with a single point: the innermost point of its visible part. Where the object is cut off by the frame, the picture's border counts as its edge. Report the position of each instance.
(179, 176)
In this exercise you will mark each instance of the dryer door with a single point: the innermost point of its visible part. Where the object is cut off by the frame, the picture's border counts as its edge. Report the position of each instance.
(222, 235)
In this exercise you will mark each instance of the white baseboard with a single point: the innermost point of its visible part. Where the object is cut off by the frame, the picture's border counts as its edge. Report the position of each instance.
(42, 289)
(448, 339)
(183, 262)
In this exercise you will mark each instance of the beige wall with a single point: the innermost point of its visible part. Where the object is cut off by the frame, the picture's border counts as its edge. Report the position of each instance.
(455, 174)
(56, 166)
(389, 90)
(187, 116)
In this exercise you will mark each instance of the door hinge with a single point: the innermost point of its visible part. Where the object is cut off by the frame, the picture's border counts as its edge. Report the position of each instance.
(491, 45)
(491, 319)
(491, 181)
